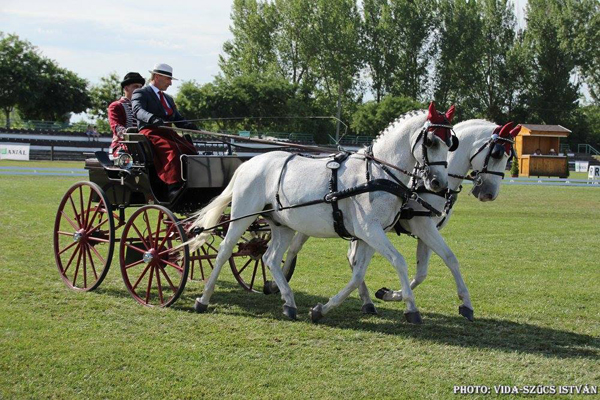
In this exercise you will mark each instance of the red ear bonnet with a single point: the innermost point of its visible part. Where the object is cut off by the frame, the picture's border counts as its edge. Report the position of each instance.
(515, 131)
(432, 112)
(450, 113)
(506, 132)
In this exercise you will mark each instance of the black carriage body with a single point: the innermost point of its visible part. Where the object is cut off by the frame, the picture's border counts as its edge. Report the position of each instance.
(205, 177)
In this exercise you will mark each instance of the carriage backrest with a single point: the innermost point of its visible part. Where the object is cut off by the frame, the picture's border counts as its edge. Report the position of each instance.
(139, 147)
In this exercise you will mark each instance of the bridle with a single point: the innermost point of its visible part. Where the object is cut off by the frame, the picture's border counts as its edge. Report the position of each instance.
(496, 149)
(423, 170)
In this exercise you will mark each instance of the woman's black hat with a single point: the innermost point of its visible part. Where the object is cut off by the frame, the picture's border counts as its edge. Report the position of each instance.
(132, 77)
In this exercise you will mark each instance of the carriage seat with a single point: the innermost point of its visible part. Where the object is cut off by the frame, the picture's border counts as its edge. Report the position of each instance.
(140, 147)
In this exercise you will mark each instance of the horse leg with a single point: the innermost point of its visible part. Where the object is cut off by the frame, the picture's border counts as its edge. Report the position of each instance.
(361, 260)
(423, 256)
(297, 243)
(432, 239)
(280, 241)
(235, 231)
(377, 239)
(368, 307)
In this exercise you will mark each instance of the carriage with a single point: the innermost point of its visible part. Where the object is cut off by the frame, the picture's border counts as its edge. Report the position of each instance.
(91, 221)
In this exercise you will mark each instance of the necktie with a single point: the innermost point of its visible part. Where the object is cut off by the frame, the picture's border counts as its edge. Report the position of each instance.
(168, 109)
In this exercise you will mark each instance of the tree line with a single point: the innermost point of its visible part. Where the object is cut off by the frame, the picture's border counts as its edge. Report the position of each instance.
(366, 62)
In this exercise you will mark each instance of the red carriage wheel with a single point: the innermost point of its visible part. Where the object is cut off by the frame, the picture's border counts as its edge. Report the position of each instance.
(246, 261)
(84, 240)
(153, 266)
(202, 261)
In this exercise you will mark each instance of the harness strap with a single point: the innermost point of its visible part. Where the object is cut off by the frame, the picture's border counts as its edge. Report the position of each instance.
(338, 216)
(287, 160)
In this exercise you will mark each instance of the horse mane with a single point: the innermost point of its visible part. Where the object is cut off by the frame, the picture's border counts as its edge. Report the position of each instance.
(402, 118)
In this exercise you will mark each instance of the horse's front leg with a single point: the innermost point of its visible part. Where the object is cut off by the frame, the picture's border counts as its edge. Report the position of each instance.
(361, 255)
(377, 239)
(423, 256)
(431, 238)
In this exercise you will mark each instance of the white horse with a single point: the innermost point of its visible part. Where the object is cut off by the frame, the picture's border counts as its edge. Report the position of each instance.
(485, 148)
(416, 139)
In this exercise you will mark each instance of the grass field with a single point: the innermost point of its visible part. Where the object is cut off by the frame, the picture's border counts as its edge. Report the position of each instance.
(531, 260)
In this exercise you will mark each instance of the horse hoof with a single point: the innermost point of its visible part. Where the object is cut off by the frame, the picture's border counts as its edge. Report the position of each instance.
(413, 317)
(381, 292)
(290, 312)
(369, 309)
(466, 312)
(270, 288)
(199, 307)
(316, 313)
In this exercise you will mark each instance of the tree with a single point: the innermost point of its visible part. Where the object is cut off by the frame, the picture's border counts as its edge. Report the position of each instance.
(251, 50)
(19, 66)
(458, 73)
(498, 30)
(339, 55)
(552, 96)
(59, 93)
(371, 117)
(107, 91)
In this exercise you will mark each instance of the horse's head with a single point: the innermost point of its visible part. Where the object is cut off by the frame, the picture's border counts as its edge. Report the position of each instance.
(430, 148)
(489, 161)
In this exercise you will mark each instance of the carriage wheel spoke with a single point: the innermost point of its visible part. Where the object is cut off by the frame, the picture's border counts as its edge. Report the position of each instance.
(72, 257)
(99, 240)
(177, 267)
(135, 248)
(244, 267)
(92, 262)
(149, 284)
(158, 284)
(141, 236)
(87, 210)
(264, 273)
(77, 268)
(148, 229)
(91, 221)
(253, 274)
(68, 247)
(74, 210)
(82, 219)
(173, 288)
(98, 255)
(84, 269)
(65, 233)
(97, 226)
(141, 277)
(169, 231)
(133, 264)
(70, 221)
(158, 230)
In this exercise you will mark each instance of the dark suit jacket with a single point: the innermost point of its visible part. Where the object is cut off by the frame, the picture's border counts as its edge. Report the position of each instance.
(147, 105)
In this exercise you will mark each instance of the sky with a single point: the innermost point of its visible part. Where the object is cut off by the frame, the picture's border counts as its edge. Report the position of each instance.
(94, 38)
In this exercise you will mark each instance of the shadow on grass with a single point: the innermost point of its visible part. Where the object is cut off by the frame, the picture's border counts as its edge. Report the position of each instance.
(454, 330)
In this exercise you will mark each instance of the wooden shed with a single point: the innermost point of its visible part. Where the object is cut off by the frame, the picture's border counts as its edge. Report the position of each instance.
(537, 148)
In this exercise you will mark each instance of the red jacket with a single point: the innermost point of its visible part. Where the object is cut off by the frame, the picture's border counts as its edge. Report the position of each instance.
(120, 117)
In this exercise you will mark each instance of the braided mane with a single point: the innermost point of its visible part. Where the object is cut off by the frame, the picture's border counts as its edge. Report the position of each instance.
(397, 122)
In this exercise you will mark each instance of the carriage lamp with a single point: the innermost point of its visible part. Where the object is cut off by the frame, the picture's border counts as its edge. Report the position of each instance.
(125, 161)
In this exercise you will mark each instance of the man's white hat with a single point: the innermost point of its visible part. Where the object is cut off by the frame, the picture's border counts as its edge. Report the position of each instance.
(164, 70)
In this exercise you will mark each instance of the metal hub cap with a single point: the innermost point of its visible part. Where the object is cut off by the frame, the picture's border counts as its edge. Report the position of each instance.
(77, 236)
(148, 256)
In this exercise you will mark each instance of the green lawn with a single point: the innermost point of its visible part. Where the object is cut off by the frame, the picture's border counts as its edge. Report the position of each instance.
(530, 260)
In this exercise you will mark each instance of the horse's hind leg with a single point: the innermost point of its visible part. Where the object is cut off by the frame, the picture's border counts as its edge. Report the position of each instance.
(297, 243)
(423, 256)
(235, 231)
(280, 241)
(368, 307)
(361, 257)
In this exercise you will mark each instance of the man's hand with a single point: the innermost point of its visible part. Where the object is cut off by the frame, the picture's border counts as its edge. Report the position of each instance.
(156, 121)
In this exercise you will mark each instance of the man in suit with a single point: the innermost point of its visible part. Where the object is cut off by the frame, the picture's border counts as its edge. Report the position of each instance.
(154, 110)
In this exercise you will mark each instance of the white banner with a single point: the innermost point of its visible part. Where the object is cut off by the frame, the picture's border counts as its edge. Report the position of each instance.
(581, 166)
(14, 151)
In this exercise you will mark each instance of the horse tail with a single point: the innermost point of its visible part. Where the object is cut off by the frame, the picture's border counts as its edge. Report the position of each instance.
(210, 215)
